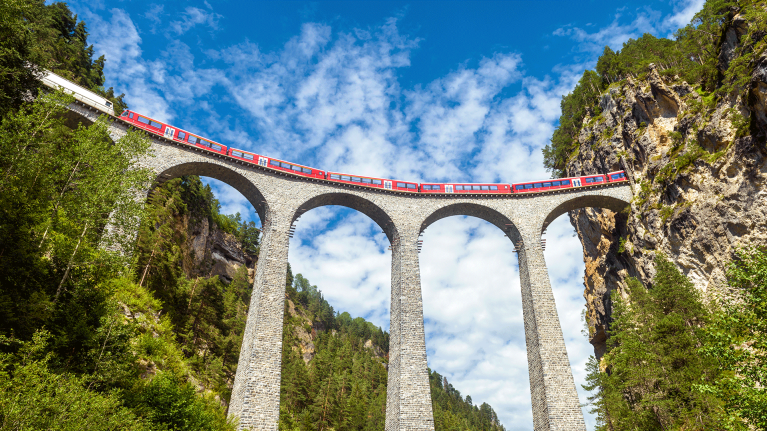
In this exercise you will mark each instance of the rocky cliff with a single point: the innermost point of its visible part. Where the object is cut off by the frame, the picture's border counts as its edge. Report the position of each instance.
(697, 162)
(211, 251)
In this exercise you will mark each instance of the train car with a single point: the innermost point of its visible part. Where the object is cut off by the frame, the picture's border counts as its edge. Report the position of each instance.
(466, 188)
(82, 94)
(170, 132)
(539, 186)
(292, 168)
(379, 183)
(590, 180)
(617, 176)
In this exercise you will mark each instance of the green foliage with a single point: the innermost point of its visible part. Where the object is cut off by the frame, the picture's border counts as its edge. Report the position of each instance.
(652, 362)
(736, 341)
(666, 211)
(452, 412)
(32, 396)
(622, 245)
(750, 48)
(172, 404)
(16, 49)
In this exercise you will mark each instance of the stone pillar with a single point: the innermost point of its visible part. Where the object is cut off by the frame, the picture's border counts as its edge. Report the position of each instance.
(256, 392)
(408, 398)
(552, 387)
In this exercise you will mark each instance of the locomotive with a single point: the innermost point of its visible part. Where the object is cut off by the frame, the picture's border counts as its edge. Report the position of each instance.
(159, 128)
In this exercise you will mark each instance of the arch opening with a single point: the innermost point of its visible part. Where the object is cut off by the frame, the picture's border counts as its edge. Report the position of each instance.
(339, 256)
(354, 202)
(474, 325)
(221, 173)
(487, 214)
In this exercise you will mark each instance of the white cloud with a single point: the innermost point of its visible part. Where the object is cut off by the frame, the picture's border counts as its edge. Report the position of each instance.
(193, 16)
(631, 25)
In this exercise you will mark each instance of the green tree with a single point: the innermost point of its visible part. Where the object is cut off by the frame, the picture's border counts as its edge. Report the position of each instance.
(736, 341)
(652, 365)
(34, 397)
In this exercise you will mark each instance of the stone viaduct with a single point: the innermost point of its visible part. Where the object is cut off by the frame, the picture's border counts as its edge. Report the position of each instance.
(280, 199)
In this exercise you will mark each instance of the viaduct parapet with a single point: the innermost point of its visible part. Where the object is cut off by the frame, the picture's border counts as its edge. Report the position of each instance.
(280, 199)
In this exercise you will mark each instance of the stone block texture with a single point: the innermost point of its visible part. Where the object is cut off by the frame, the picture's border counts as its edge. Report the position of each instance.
(280, 199)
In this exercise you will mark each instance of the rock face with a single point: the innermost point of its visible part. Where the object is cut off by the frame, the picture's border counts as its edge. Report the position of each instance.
(699, 185)
(214, 252)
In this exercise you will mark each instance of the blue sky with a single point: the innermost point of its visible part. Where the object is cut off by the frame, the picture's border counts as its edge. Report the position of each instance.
(420, 90)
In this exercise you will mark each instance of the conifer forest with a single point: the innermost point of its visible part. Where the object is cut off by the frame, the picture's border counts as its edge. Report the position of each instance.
(96, 339)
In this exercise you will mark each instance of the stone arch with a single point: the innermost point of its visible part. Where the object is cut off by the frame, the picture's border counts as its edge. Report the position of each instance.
(488, 214)
(355, 202)
(222, 173)
(612, 203)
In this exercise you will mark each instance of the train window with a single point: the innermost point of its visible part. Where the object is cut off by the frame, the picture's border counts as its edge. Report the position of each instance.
(377, 182)
(248, 156)
(366, 180)
(271, 162)
(345, 178)
(142, 119)
(475, 187)
(334, 177)
(598, 179)
(426, 187)
(155, 124)
(493, 187)
(519, 187)
(589, 180)
(565, 182)
(297, 168)
(538, 185)
(555, 183)
(285, 165)
(124, 114)
(485, 188)
(528, 186)
(459, 187)
(306, 171)
(193, 139)
(615, 176)
(401, 185)
(546, 184)
(130, 115)
(357, 179)
(237, 153)
(181, 135)
(411, 186)
(216, 147)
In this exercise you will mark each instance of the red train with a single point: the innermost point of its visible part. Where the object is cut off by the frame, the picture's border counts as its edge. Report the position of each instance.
(179, 135)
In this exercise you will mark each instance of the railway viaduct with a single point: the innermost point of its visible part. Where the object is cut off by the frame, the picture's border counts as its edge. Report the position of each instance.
(280, 199)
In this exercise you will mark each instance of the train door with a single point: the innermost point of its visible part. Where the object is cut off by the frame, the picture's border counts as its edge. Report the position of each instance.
(448, 188)
(576, 183)
(262, 161)
(169, 132)
(387, 185)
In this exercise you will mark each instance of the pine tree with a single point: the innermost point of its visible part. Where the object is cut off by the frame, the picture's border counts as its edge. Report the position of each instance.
(652, 363)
